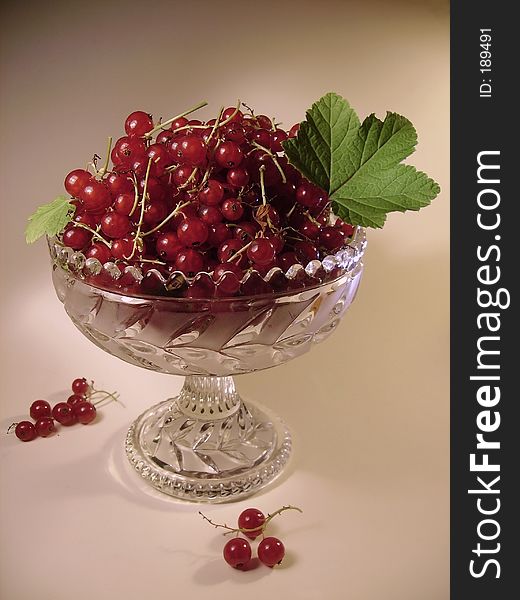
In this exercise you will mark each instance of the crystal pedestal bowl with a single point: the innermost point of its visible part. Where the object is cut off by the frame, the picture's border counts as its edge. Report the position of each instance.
(207, 444)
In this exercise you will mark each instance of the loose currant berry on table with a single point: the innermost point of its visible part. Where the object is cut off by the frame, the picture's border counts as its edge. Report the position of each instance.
(251, 518)
(76, 180)
(138, 123)
(75, 399)
(99, 251)
(261, 251)
(271, 551)
(25, 431)
(80, 386)
(85, 412)
(44, 426)
(229, 155)
(40, 409)
(237, 552)
(64, 414)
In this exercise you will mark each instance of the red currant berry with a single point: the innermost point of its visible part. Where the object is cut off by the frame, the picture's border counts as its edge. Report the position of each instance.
(184, 173)
(40, 409)
(95, 197)
(192, 232)
(231, 111)
(119, 183)
(75, 399)
(271, 551)
(178, 123)
(307, 194)
(293, 131)
(228, 249)
(228, 155)
(233, 132)
(232, 209)
(262, 137)
(76, 238)
(261, 252)
(211, 215)
(138, 123)
(76, 180)
(99, 251)
(191, 150)
(245, 231)
(287, 260)
(63, 413)
(237, 552)
(44, 426)
(305, 251)
(217, 234)
(115, 225)
(25, 431)
(309, 229)
(160, 157)
(168, 246)
(127, 150)
(345, 228)
(85, 412)
(212, 193)
(80, 386)
(249, 519)
(237, 177)
(227, 276)
(122, 249)
(189, 261)
(332, 238)
(155, 211)
(124, 203)
(277, 138)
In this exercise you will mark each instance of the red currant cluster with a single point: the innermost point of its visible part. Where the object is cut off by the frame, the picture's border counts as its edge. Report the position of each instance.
(79, 408)
(252, 523)
(216, 197)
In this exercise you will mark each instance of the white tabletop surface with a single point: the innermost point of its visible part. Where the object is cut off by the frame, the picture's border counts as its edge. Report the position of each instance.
(368, 408)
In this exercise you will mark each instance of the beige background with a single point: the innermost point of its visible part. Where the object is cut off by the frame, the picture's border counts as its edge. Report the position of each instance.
(375, 487)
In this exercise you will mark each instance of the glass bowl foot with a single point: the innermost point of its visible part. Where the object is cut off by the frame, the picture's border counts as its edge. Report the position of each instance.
(207, 445)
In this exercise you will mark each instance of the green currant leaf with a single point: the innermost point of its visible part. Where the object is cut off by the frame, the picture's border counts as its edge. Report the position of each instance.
(49, 219)
(365, 179)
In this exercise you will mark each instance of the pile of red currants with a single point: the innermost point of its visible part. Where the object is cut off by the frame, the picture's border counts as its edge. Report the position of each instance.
(185, 196)
(79, 408)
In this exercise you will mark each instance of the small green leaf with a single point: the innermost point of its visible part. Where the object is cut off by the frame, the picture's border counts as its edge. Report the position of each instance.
(359, 166)
(49, 219)
(320, 147)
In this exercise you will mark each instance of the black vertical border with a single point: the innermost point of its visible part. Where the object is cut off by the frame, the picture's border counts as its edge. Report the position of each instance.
(480, 124)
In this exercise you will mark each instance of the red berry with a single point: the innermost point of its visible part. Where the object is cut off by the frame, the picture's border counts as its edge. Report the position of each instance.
(293, 131)
(138, 123)
(75, 399)
(99, 251)
(211, 215)
(228, 248)
(251, 518)
(232, 209)
(44, 426)
(261, 251)
(307, 194)
(119, 183)
(189, 261)
(231, 111)
(180, 122)
(262, 137)
(237, 177)
(332, 238)
(76, 180)
(85, 412)
(122, 249)
(63, 413)
(160, 157)
(168, 246)
(277, 138)
(155, 211)
(229, 155)
(183, 173)
(212, 193)
(76, 237)
(227, 276)
(115, 225)
(25, 431)
(271, 551)
(237, 552)
(124, 203)
(40, 409)
(192, 232)
(305, 251)
(217, 234)
(95, 197)
(191, 150)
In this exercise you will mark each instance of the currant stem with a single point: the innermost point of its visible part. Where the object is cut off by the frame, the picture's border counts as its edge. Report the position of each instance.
(249, 529)
(94, 233)
(143, 202)
(11, 428)
(262, 185)
(240, 252)
(104, 169)
(274, 159)
(183, 114)
(174, 212)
